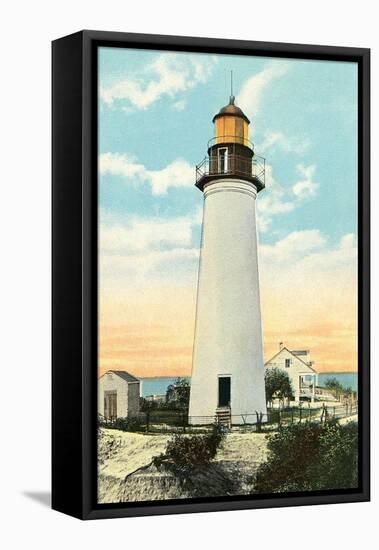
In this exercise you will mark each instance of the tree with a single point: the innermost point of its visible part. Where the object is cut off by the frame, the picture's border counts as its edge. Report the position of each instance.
(335, 386)
(178, 393)
(278, 384)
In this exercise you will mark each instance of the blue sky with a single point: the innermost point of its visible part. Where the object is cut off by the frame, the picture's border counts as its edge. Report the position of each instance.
(155, 119)
(311, 105)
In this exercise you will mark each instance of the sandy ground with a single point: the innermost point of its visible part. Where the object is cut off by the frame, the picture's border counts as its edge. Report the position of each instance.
(119, 455)
(126, 473)
(353, 418)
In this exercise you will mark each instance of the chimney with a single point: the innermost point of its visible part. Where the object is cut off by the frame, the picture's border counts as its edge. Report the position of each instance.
(281, 346)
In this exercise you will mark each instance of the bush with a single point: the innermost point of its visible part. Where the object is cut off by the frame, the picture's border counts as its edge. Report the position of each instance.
(121, 424)
(146, 406)
(134, 424)
(101, 422)
(309, 457)
(192, 451)
(131, 424)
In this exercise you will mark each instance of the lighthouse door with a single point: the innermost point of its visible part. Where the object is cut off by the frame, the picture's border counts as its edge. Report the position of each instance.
(224, 391)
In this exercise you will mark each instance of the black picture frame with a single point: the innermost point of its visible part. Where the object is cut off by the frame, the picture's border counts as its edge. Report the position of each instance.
(74, 271)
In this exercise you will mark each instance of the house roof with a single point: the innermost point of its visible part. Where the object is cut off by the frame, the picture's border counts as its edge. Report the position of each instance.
(296, 357)
(299, 352)
(124, 375)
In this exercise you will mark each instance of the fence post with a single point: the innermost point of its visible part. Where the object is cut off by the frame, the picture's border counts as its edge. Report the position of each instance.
(279, 419)
(292, 416)
(325, 413)
(184, 423)
(259, 421)
(300, 414)
(334, 411)
(310, 412)
(147, 420)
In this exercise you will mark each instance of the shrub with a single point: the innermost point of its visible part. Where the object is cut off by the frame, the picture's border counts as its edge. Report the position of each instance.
(192, 451)
(121, 424)
(101, 421)
(131, 424)
(145, 405)
(134, 424)
(305, 457)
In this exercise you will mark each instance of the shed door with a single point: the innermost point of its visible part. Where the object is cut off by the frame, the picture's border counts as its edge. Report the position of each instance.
(110, 405)
(224, 391)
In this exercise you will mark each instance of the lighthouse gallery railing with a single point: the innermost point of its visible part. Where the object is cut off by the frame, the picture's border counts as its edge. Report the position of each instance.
(232, 165)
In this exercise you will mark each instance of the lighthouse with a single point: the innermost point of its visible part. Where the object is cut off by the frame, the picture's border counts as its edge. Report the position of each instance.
(227, 382)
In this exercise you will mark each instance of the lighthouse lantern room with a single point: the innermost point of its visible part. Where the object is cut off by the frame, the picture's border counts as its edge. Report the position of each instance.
(230, 152)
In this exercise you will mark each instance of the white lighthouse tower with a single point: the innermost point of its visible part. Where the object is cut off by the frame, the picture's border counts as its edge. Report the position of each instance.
(227, 382)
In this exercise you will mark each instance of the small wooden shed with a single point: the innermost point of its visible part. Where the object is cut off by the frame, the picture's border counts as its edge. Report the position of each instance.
(118, 395)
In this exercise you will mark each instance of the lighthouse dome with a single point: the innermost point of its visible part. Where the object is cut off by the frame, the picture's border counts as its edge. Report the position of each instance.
(231, 110)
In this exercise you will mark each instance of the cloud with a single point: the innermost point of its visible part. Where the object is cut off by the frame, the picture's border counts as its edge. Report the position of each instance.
(117, 164)
(179, 105)
(280, 199)
(144, 233)
(278, 140)
(306, 187)
(159, 247)
(252, 90)
(306, 258)
(273, 202)
(150, 266)
(309, 296)
(167, 75)
(294, 246)
(178, 173)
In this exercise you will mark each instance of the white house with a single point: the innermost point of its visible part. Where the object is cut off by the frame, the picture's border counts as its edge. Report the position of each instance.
(118, 394)
(298, 365)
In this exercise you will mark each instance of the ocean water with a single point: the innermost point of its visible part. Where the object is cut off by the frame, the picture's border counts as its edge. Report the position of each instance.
(347, 379)
(155, 386)
(158, 386)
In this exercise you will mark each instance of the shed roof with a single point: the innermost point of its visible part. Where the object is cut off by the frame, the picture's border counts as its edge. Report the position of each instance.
(124, 375)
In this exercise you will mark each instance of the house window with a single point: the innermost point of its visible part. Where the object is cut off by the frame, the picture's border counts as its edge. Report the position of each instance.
(288, 363)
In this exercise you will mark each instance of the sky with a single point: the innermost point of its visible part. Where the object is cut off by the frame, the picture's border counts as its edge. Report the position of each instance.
(155, 119)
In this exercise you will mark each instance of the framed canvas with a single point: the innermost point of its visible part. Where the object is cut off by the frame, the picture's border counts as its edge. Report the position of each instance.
(210, 274)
